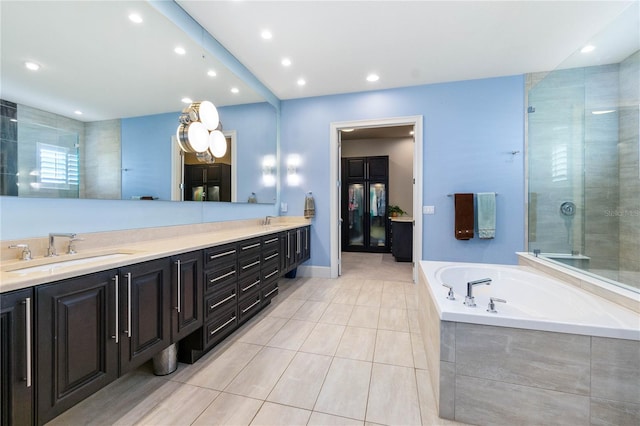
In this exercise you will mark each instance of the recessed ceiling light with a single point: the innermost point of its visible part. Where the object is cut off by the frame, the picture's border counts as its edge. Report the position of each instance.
(588, 48)
(77, 112)
(266, 34)
(211, 73)
(286, 62)
(32, 66)
(180, 50)
(186, 100)
(134, 17)
(301, 82)
(235, 90)
(347, 130)
(373, 77)
(411, 132)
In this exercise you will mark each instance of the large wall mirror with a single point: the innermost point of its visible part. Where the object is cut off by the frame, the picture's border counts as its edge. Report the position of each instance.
(98, 118)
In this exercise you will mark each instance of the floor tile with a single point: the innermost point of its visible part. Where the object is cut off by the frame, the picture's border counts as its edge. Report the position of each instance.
(414, 322)
(344, 392)
(357, 343)
(286, 308)
(393, 319)
(324, 294)
(337, 314)
(292, 335)
(346, 296)
(364, 316)
(300, 383)
(393, 347)
(261, 332)
(275, 415)
(393, 299)
(229, 409)
(369, 297)
(393, 396)
(222, 370)
(182, 407)
(324, 339)
(322, 419)
(419, 355)
(311, 310)
(259, 377)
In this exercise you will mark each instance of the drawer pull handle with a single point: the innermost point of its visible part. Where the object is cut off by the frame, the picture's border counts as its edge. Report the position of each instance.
(223, 326)
(116, 278)
(273, 240)
(222, 301)
(251, 246)
(252, 285)
(257, 262)
(271, 292)
(271, 257)
(250, 306)
(228, 274)
(28, 338)
(271, 274)
(226, 253)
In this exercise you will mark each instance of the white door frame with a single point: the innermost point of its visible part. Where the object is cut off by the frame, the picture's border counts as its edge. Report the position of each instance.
(334, 185)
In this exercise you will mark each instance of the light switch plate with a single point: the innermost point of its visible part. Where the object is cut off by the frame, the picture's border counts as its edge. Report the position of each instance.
(283, 207)
(429, 209)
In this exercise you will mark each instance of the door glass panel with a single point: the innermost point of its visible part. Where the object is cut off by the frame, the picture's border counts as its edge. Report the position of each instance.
(377, 210)
(356, 218)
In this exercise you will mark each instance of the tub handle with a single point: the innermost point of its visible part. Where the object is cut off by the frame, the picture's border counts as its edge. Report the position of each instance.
(450, 295)
(492, 306)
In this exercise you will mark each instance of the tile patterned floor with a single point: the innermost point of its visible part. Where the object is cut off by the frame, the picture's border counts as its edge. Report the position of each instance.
(325, 352)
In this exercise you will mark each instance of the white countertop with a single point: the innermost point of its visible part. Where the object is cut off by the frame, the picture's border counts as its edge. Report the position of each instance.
(12, 279)
(402, 219)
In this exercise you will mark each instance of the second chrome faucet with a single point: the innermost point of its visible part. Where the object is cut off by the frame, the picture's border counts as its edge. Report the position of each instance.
(469, 299)
(51, 251)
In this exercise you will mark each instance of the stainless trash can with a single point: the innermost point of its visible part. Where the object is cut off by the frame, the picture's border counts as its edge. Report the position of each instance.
(166, 361)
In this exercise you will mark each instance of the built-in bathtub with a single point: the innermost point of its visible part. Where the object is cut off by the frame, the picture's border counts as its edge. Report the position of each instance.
(553, 354)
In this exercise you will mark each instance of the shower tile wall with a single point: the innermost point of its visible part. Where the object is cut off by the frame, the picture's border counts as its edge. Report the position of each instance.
(102, 160)
(8, 148)
(563, 120)
(629, 170)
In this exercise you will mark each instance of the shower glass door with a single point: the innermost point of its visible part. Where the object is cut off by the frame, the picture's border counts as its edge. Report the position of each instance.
(378, 217)
(356, 210)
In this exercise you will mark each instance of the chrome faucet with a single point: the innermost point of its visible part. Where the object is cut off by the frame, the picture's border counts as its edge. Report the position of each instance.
(267, 220)
(469, 299)
(26, 253)
(51, 251)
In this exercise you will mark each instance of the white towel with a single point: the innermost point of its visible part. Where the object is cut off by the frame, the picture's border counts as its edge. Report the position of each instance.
(486, 202)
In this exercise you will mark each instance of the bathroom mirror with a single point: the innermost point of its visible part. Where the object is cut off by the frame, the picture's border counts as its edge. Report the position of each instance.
(103, 106)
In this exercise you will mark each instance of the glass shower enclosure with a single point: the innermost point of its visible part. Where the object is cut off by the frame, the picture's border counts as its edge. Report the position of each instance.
(583, 156)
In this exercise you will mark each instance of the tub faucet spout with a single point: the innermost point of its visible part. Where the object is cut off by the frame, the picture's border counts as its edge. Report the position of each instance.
(469, 299)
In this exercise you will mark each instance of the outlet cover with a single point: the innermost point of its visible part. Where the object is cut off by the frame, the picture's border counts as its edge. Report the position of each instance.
(283, 207)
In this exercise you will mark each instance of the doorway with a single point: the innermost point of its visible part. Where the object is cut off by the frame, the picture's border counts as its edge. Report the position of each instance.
(338, 130)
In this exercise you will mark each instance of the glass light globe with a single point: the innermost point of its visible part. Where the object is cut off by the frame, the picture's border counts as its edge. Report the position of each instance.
(217, 143)
(198, 137)
(208, 115)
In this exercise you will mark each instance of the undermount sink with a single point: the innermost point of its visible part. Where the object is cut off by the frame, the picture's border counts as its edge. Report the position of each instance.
(53, 263)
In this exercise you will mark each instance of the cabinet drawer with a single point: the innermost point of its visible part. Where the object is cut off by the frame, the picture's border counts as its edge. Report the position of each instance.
(221, 300)
(270, 272)
(219, 277)
(270, 241)
(249, 306)
(249, 284)
(221, 326)
(271, 253)
(220, 255)
(268, 291)
(249, 247)
(248, 265)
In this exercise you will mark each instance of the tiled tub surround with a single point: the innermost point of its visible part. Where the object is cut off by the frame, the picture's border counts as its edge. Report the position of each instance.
(141, 244)
(493, 369)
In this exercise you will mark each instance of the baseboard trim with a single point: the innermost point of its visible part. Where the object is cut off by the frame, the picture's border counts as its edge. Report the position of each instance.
(314, 271)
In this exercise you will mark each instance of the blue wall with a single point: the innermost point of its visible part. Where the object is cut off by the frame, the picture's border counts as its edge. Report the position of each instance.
(470, 129)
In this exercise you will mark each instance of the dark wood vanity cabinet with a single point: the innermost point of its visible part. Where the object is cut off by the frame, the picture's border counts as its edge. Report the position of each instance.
(270, 268)
(295, 246)
(16, 357)
(186, 291)
(249, 278)
(145, 312)
(77, 340)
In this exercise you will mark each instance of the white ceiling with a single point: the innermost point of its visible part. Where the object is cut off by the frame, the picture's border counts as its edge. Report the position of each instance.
(333, 45)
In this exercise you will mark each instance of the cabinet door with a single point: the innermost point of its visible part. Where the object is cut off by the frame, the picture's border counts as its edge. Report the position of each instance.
(187, 295)
(77, 341)
(16, 361)
(145, 309)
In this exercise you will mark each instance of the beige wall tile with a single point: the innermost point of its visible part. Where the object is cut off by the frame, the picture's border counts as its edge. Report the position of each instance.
(614, 413)
(615, 372)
